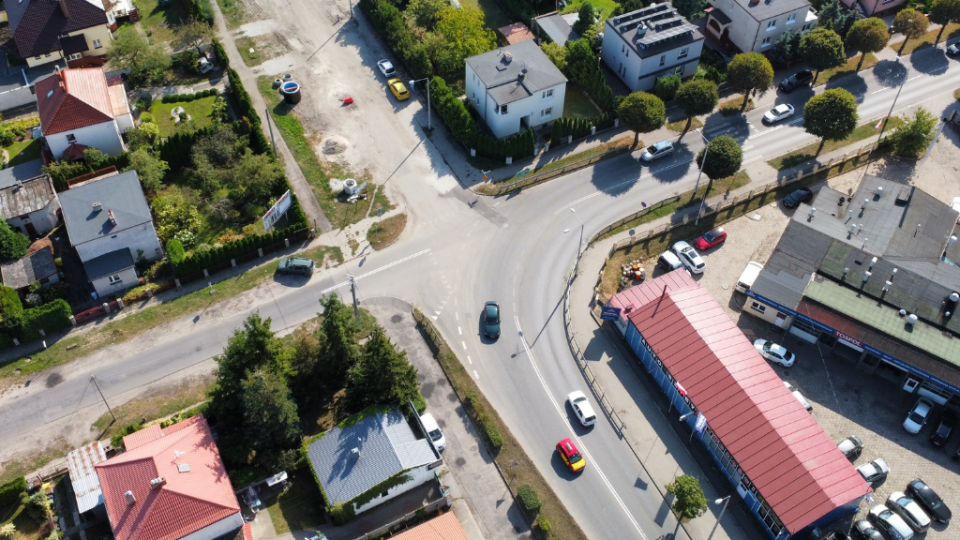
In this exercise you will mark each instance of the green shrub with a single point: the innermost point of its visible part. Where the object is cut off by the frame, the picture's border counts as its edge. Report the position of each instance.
(342, 513)
(7, 138)
(8, 531)
(10, 492)
(489, 427)
(140, 293)
(187, 61)
(220, 53)
(666, 88)
(51, 317)
(117, 440)
(175, 251)
(38, 507)
(543, 524)
(528, 498)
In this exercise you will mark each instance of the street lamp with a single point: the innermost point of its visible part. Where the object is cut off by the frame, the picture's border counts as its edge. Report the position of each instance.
(580, 247)
(892, 105)
(724, 501)
(706, 151)
(684, 417)
(413, 83)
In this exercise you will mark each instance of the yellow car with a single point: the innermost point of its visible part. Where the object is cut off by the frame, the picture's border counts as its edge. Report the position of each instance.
(398, 89)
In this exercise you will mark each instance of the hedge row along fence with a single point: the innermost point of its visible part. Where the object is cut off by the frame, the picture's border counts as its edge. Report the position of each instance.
(34, 323)
(389, 22)
(180, 98)
(220, 53)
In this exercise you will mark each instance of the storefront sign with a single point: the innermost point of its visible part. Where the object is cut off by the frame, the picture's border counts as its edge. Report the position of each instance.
(847, 338)
(609, 313)
(701, 423)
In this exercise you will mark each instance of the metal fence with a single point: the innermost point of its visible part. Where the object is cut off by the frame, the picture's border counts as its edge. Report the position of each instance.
(543, 177)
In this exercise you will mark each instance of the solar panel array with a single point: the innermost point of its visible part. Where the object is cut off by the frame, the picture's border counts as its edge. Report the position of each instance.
(654, 24)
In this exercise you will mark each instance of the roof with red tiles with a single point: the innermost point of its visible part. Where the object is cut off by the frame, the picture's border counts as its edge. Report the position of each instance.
(72, 99)
(445, 527)
(37, 27)
(194, 492)
(789, 458)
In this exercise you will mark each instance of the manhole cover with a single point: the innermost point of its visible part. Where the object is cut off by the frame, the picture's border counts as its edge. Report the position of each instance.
(755, 217)
(724, 286)
(396, 318)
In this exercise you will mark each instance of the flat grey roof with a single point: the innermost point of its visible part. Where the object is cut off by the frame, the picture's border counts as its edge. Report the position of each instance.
(496, 68)
(33, 195)
(654, 30)
(108, 263)
(21, 172)
(121, 193)
(557, 29)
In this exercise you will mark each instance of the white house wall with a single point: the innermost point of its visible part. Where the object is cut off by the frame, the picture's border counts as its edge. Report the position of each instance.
(505, 125)
(128, 280)
(125, 122)
(640, 74)
(217, 529)
(43, 220)
(104, 137)
(419, 476)
(142, 237)
(748, 34)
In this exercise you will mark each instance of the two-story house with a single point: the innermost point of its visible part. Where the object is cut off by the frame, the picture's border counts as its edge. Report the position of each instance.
(80, 109)
(28, 201)
(875, 8)
(78, 31)
(651, 43)
(515, 88)
(110, 225)
(754, 25)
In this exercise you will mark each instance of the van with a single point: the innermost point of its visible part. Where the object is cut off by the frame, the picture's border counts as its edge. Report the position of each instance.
(433, 431)
(749, 276)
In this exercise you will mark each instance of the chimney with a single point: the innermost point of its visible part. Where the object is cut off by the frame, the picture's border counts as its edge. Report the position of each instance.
(63, 8)
(157, 482)
(507, 57)
(113, 219)
(97, 206)
(130, 498)
(355, 452)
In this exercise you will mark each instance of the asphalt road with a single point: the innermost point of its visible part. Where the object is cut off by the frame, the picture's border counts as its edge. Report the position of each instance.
(461, 250)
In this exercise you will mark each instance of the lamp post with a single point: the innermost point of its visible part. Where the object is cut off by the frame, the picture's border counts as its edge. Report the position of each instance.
(684, 417)
(892, 105)
(725, 501)
(706, 150)
(414, 82)
(580, 248)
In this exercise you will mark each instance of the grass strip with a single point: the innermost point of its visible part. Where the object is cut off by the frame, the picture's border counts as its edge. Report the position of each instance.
(233, 12)
(801, 155)
(510, 456)
(22, 152)
(26, 464)
(681, 125)
(154, 406)
(850, 66)
(926, 40)
(731, 107)
(383, 233)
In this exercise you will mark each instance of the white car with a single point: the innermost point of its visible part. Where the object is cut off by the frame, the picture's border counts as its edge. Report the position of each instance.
(909, 510)
(386, 67)
(796, 393)
(874, 471)
(582, 408)
(689, 257)
(433, 431)
(779, 113)
(917, 416)
(774, 353)
(890, 523)
(954, 49)
(657, 151)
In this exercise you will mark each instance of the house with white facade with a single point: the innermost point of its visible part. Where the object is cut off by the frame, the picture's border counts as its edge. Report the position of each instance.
(351, 461)
(515, 88)
(110, 225)
(79, 109)
(28, 201)
(754, 25)
(77, 31)
(648, 44)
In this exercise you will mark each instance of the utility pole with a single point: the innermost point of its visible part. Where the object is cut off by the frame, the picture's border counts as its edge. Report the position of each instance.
(272, 140)
(92, 378)
(353, 292)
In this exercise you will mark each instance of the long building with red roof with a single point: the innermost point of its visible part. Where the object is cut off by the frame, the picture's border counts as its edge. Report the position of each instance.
(789, 473)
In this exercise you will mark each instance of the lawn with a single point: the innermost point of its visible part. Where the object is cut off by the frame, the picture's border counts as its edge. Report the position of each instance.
(262, 50)
(577, 104)
(809, 152)
(159, 404)
(849, 66)
(603, 7)
(383, 233)
(731, 107)
(233, 12)
(493, 16)
(681, 125)
(159, 21)
(30, 149)
(926, 40)
(300, 507)
(199, 111)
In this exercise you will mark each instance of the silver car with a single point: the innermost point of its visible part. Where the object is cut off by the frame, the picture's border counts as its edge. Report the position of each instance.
(890, 523)
(657, 151)
(917, 416)
(581, 406)
(778, 113)
(689, 257)
(796, 393)
(874, 472)
(774, 353)
(909, 510)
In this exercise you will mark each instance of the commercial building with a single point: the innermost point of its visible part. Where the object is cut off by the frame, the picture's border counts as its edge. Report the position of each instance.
(789, 473)
(755, 25)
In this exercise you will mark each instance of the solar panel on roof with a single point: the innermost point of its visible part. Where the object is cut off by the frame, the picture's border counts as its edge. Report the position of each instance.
(667, 34)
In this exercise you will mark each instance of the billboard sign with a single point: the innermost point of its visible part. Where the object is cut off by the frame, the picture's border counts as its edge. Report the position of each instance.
(277, 211)
(609, 313)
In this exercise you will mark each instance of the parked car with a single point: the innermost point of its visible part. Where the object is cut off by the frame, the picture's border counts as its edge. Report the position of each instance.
(689, 257)
(657, 151)
(669, 262)
(204, 66)
(909, 510)
(250, 497)
(778, 113)
(711, 238)
(399, 90)
(796, 393)
(928, 498)
(491, 320)
(918, 416)
(582, 408)
(748, 277)
(890, 523)
(851, 447)
(874, 472)
(867, 531)
(433, 431)
(798, 79)
(941, 435)
(571, 456)
(774, 353)
(954, 49)
(386, 67)
(794, 199)
(295, 265)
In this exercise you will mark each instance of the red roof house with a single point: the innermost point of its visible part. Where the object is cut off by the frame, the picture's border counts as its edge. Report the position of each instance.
(169, 484)
(445, 527)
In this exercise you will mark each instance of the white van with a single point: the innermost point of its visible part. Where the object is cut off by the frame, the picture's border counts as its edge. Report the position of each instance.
(749, 276)
(433, 431)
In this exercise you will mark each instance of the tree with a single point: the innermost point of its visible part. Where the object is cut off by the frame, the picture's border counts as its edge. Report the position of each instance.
(642, 113)
(304, 352)
(586, 18)
(582, 64)
(194, 33)
(382, 375)
(465, 36)
(38, 507)
(869, 36)
(150, 169)
(691, 9)
(837, 17)
(690, 500)
(627, 6)
(256, 176)
(338, 344)
(250, 349)
(143, 136)
(13, 245)
(145, 60)
(723, 158)
(944, 12)
(822, 49)
(173, 214)
(270, 422)
(749, 72)
(831, 116)
(912, 137)
(697, 97)
(556, 54)
(911, 23)
(425, 13)
(786, 49)
(666, 88)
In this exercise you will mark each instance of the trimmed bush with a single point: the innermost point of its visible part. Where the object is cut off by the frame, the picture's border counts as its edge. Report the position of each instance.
(7, 138)
(175, 251)
(220, 53)
(51, 317)
(489, 427)
(10, 492)
(529, 498)
(543, 524)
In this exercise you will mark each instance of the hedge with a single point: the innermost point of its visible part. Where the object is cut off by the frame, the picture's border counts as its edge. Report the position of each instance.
(454, 113)
(120, 162)
(518, 146)
(175, 251)
(490, 429)
(50, 317)
(10, 492)
(243, 106)
(220, 53)
(564, 127)
(178, 98)
(390, 24)
(529, 498)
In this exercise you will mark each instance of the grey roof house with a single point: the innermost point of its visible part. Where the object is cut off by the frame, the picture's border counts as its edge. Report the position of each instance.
(556, 28)
(37, 266)
(755, 25)
(28, 201)
(350, 461)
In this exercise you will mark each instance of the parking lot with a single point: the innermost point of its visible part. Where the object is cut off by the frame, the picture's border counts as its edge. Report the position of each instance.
(845, 401)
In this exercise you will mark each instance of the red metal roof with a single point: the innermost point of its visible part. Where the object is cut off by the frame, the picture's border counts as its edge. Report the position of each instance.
(72, 99)
(781, 448)
(445, 527)
(188, 501)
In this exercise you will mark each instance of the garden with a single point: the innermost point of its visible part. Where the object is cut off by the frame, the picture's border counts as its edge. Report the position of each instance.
(17, 142)
(25, 515)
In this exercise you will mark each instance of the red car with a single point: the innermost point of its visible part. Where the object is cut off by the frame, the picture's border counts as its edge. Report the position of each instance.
(710, 239)
(571, 456)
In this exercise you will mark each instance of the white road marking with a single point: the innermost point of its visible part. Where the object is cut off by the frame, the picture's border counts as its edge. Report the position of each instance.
(456, 315)
(372, 272)
(476, 375)
(917, 77)
(464, 343)
(459, 331)
(580, 444)
(469, 360)
(878, 91)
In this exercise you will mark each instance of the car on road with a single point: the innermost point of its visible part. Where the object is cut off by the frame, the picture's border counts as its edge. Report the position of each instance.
(851, 447)
(386, 67)
(778, 113)
(433, 431)
(874, 472)
(918, 416)
(295, 265)
(399, 90)
(890, 523)
(774, 353)
(866, 531)
(657, 151)
(954, 49)
(796, 393)
(909, 510)
(928, 498)
(711, 238)
(491, 320)
(794, 199)
(798, 79)
(582, 408)
(941, 435)
(689, 257)
(571, 456)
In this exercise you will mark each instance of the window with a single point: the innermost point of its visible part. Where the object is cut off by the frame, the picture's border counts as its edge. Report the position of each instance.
(47, 55)
(792, 18)
(683, 52)
(548, 94)
(37, 57)
(74, 56)
(71, 138)
(663, 59)
(546, 113)
(806, 27)
(623, 48)
(97, 44)
(114, 279)
(756, 306)
(772, 25)
(501, 109)
(766, 42)
(679, 70)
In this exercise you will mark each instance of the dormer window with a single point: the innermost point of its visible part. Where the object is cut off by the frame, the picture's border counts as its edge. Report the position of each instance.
(71, 138)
